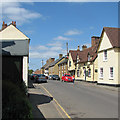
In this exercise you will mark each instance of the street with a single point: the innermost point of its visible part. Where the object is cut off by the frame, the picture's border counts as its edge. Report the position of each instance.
(56, 99)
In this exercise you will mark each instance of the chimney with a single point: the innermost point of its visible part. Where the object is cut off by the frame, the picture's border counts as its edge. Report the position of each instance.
(84, 47)
(51, 60)
(4, 25)
(14, 23)
(94, 40)
(78, 47)
(60, 55)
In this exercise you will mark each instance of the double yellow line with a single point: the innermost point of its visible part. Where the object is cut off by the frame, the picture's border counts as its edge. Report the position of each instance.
(57, 103)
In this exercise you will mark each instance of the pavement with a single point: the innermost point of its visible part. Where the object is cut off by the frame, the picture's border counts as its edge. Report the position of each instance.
(57, 99)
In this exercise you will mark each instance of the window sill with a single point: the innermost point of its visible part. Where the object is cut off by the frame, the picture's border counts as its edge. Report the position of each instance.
(104, 60)
(111, 78)
(101, 78)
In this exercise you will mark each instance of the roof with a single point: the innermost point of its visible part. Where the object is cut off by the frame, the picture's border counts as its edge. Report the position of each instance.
(64, 61)
(74, 54)
(92, 51)
(55, 62)
(113, 35)
(11, 32)
(15, 47)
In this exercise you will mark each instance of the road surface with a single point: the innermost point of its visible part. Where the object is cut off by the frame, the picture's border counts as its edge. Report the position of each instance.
(57, 99)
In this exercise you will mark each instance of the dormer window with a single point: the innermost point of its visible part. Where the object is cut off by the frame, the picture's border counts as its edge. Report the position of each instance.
(105, 55)
(88, 56)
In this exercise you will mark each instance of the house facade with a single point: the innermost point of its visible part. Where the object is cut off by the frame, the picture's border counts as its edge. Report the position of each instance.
(63, 67)
(15, 53)
(109, 57)
(72, 58)
(53, 67)
(87, 62)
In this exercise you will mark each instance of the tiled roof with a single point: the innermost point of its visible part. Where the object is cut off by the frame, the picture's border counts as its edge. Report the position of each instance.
(74, 54)
(55, 62)
(113, 35)
(64, 61)
(92, 51)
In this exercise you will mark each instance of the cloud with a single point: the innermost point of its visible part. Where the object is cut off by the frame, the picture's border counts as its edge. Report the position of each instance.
(13, 11)
(73, 32)
(46, 51)
(61, 38)
(58, 44)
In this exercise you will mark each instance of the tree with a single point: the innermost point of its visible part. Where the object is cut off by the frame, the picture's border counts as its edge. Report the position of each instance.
(30, 71)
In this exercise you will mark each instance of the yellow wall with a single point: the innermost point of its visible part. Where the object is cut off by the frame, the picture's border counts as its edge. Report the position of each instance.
(63, 71)
(72, 63)
(113, 55)
(92, 66)
(54, 70)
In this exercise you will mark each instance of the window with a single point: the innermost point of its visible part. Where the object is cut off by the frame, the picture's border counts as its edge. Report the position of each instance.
(105, 55)
(111, 73)
(69, 63)
(88, 57)
(89, 72)
(101, 72)
(78, 66)
(78, 74)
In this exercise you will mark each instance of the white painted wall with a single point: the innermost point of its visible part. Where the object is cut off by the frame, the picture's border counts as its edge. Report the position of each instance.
(25, 70)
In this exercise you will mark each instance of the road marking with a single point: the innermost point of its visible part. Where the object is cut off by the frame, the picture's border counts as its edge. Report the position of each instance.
(57, 102)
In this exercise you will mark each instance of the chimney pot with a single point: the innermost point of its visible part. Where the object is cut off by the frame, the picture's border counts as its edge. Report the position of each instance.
(84, 47)
(60, 55)
(4, 25)
(94, 40)
(78, 47)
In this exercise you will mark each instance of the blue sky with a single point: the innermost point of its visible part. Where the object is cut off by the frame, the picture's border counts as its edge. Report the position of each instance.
(50, 25)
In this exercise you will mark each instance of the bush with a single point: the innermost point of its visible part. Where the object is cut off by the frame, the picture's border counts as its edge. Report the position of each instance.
(15, 104)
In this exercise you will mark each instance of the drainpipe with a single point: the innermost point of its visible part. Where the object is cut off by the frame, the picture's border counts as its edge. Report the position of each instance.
(93, 71)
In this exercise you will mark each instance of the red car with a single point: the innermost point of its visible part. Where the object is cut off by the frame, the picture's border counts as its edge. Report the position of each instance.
(67, 77)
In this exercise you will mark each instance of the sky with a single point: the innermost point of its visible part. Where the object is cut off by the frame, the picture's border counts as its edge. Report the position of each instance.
(49, 25)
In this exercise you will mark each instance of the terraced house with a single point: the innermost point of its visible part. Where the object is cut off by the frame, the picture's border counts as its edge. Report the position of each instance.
(109, 57)
(63, 67)
(53, 67)
(72, 59)
(86, 67)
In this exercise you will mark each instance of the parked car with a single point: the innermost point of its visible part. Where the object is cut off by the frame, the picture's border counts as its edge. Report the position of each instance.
(67, 77)
(50, 77)
(40, 78)
(32, 76)
(55, 77)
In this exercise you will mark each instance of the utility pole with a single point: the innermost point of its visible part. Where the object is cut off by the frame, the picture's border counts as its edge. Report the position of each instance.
(42, 62)
(67, 47)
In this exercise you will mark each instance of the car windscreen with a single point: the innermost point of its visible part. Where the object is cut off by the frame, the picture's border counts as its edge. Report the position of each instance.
(41, 75)
(55, 76)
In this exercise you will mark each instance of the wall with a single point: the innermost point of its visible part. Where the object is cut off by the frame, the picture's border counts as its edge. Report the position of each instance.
(92, 66)
(112, 61)
(11, 33)
(72, 63)
(25, 70)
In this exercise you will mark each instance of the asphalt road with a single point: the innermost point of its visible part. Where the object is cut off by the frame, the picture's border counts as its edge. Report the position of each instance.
(57, 99)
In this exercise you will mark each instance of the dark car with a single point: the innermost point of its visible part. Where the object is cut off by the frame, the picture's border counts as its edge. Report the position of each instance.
(55, 77)
(32, 76)
(40, 78)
